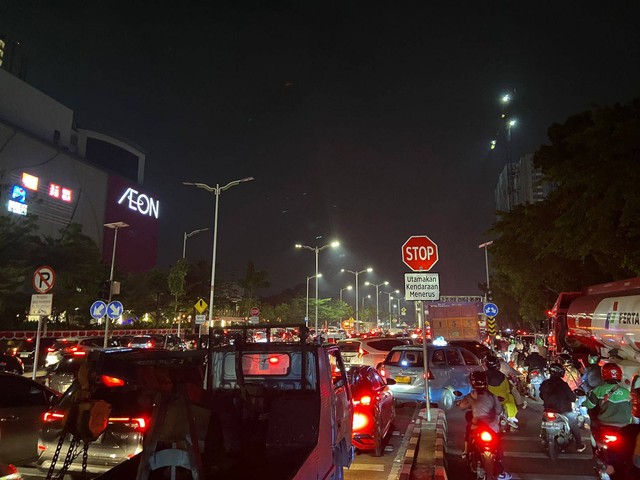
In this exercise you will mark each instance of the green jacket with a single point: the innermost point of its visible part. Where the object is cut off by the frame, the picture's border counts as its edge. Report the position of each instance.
(616, 409)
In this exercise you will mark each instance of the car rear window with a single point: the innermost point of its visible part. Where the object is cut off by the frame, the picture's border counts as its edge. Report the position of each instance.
(264, 364)
(64, 343)
(404, 358)
(352, 347)
(386, 344)
(69, 365)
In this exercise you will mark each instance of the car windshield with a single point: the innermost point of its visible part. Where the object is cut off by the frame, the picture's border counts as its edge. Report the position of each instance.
(351, 347)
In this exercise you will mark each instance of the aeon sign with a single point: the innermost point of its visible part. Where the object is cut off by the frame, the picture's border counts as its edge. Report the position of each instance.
(139, 202)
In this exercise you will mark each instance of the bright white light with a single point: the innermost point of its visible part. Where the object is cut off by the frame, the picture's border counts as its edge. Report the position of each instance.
(335, 244)
(506, 98)
(512, 123)
(440, 342)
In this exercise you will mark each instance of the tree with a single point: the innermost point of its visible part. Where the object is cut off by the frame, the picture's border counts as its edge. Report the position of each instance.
(147, 293)
(253, 280)
(588, 228)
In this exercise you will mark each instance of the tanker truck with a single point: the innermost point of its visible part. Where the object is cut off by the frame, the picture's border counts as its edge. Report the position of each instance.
(602, 319)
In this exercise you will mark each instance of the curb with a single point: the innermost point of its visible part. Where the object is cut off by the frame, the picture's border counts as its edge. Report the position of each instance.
(426, 456)
(410, 455)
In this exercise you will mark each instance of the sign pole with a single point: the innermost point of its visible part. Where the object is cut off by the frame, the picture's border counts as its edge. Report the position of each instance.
(37, 352)
(425, 360)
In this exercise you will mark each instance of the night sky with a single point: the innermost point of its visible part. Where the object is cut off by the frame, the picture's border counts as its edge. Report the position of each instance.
(365, 122)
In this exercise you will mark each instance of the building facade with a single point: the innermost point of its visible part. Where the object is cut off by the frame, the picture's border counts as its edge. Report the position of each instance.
(527, 185)
(61, 175)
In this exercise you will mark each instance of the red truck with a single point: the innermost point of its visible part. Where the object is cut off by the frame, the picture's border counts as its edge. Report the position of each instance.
(602, 319)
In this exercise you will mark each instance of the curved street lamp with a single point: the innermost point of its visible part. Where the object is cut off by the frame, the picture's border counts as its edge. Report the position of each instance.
(317, 250)
(357, 273)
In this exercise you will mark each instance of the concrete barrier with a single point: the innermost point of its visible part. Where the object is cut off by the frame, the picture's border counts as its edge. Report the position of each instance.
(426, 457)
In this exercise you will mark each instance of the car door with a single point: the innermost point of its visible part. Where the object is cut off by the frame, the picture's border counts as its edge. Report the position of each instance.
(385, 398)
(22, 404)
(440, 370)
(459, 379)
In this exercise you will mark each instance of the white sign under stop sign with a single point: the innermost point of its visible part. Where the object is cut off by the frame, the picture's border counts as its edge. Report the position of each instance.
(422, 286)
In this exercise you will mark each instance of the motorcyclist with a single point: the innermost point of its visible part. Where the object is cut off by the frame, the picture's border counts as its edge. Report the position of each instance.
(571, 371)
(592, 375)
(485, 408)
(609, 403)
(558, 396)
(628, 465)
(499, 385)
(534, 359)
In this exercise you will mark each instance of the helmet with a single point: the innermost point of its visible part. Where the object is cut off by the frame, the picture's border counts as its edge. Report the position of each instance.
(478, 380)
(593, 359)
(564, 359)
(534, 349)
(611, 371)
(556, 370)
(491, 362)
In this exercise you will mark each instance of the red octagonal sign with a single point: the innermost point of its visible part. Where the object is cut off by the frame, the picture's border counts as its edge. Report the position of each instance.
(420, 253)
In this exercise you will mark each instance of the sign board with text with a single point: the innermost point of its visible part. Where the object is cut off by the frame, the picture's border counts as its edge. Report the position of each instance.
(41, 304)
(422, 287)
(200, 319)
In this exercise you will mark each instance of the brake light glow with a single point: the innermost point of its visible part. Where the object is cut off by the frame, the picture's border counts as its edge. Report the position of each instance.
(79, 353)
(365, 400)
(274, 360)
(486, 436)
(360, 421)
(111, 381)
(362, 352)
(149, 345)
(429, 375)
(51, 349)
(610, 438)
(139, 423)
(50, 417)
(550, 415)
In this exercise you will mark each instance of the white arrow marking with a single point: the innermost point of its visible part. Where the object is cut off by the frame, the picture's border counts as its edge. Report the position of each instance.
(114, 310)
(98, 309)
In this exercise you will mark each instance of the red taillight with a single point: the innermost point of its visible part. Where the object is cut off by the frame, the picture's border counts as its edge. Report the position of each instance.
(610, 438)
(550, 415)
(139, 424)
(149, 345)
(362, 352)
(273, 360)
(79, 353)
(129, 344)
(112, 381)
(486, 436)
(42, 448)
(429, 375)
(365, 400)
(360, 421)
(50, 417)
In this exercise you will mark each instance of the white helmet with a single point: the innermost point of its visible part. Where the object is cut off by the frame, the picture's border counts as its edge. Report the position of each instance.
(534, 348)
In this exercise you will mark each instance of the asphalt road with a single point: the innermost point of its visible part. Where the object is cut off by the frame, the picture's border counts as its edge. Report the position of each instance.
(368, 467)
(525, 457)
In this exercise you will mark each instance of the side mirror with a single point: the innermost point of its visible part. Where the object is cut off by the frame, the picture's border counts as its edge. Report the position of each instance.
(457, 393)
(390, 381)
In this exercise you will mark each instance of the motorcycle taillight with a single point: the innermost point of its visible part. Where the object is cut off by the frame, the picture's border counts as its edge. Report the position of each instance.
(610, 438)
(550, 415)
(486, 436)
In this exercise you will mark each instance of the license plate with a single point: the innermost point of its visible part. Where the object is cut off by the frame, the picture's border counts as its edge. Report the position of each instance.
(550, 425)
(403, 379)
(24, 354)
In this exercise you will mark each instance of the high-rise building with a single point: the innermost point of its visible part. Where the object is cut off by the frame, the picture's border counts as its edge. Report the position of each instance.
(528, 185)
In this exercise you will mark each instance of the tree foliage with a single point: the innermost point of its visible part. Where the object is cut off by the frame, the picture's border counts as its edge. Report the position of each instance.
(253, 280)
(588, 229)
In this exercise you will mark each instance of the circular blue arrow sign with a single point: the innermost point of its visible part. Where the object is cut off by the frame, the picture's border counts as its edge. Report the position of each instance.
(490, 310)
(114, 310)
(98, 309)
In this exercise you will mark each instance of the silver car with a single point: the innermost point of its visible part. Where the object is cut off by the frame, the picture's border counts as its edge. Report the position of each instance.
(367, 351)
(448, 370)
(64, 373)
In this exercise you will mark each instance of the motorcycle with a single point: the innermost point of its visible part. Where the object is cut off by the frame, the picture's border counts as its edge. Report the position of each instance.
(483, 453)
(609, 453)
(536, 377)
(555, 433)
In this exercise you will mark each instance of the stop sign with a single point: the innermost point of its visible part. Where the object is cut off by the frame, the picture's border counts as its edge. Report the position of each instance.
(420, 253)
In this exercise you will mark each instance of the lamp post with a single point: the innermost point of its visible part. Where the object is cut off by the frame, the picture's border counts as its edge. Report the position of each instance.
(306, 317)
(115, 226)
(217, 190)
(357, 273)
(377, 285)
(348, 287)
(486, 261)
(389, 294)
(189, 235)
(317, 250)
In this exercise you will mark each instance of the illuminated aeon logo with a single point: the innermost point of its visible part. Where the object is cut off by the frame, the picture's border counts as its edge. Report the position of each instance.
(139, 202)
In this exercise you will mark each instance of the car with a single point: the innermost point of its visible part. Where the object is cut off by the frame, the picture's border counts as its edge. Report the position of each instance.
(75, 346)
(128, 421)
(22, 404)
(480, 350)
(373, 408)
(11, 364)
(166, 342)
(367, 351)
(449, 368)
(24, 348)
(64, 373)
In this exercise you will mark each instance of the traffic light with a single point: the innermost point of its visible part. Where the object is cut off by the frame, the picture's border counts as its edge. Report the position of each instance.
(103, 290)
(489, 295)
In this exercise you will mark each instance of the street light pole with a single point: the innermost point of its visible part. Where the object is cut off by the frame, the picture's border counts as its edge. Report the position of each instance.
(317, 250)
(217, 190)
(357, 273)
(389, 294)
(348, 287)
(189, 235)
(115, 226)
(306, 317)
(377, 303)
(486, 260)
